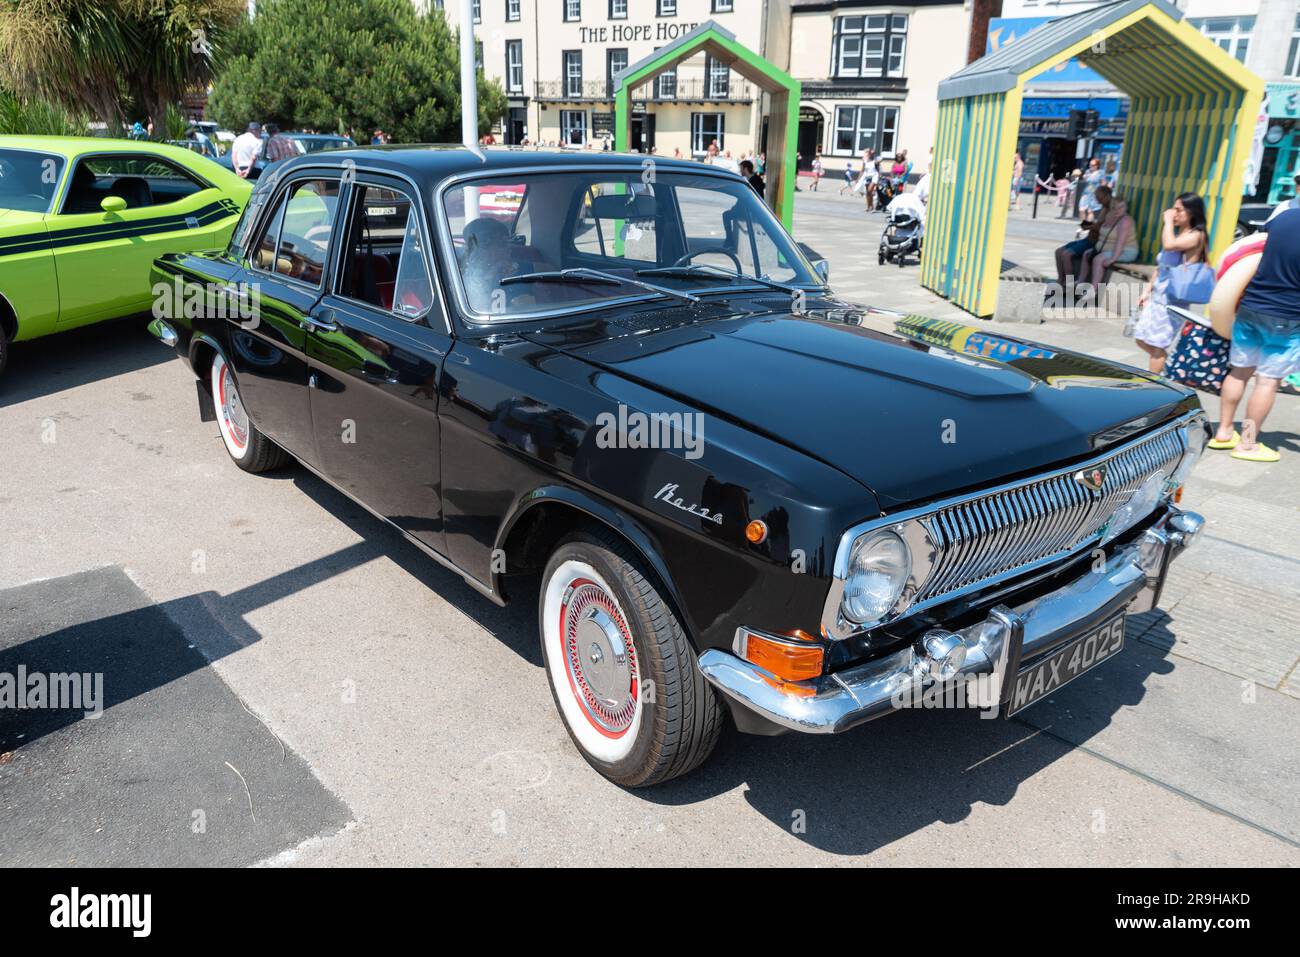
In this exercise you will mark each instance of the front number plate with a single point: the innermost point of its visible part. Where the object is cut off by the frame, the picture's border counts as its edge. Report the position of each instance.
(1061, 667)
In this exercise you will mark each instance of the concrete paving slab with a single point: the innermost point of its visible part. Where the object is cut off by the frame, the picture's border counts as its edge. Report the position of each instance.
(170, 768)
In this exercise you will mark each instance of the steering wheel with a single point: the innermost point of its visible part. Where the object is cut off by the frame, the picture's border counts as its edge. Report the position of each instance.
(685, 260)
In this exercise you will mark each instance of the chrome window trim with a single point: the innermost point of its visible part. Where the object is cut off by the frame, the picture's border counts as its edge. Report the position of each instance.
(280, 192)
(483, 320)
(413, 198)
(908, 526)
(337, 166)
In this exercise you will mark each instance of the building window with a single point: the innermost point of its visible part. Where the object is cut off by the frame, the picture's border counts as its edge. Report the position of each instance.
(719, 78)
(478, 11)
(859, 128)
(1293, 58)
(573, 127)
(615, 60)
(572, 10)
(723, 6)
(869, 46)
(666, 8)
(707, 128)
(1231, 33)
(666, 84)
(512, 9)
(618, 9)
(573, 73)
(514, 66)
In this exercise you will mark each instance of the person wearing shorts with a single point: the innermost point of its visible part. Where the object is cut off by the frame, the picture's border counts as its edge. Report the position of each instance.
(1265, 341)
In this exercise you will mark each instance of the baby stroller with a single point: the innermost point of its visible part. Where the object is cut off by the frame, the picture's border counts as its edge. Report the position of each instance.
(902, 236)
(885, 191)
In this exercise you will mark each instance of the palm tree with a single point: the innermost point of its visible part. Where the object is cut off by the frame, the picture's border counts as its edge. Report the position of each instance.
(91, 55)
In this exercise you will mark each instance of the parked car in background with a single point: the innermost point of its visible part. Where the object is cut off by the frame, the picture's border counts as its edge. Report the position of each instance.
(742, 495)
(304, 143)
(83, 218)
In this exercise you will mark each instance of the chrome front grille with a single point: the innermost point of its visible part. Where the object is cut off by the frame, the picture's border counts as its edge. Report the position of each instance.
(1029, 523)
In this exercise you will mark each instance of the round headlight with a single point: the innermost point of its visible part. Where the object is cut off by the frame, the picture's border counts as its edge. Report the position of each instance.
(879, 566)
(1138, 506)
(1195, 446)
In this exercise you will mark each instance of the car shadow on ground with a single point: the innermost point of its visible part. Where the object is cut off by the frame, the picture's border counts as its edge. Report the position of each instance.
(66, 360)
(846, 794)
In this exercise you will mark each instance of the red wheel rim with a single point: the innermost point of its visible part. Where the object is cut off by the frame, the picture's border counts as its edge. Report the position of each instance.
(600, 658)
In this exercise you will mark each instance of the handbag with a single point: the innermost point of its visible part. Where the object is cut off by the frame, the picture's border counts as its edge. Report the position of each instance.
(1200, 359)
(1191, 282)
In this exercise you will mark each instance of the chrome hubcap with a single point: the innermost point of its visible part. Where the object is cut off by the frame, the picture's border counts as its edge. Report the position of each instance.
(600, 657)
(232, 409)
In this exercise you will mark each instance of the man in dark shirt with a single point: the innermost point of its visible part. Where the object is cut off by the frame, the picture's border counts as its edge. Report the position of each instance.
(1265, 340)
(756, 181)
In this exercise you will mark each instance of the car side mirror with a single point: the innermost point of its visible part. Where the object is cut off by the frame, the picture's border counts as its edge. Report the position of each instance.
(821, 265)
(112, 204)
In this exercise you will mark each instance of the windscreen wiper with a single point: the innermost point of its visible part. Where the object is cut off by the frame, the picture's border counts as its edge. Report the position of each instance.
(583, 275)
(717, 272)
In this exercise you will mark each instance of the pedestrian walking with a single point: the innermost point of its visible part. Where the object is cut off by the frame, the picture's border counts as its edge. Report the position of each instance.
(246, 148)
(1017, 175)
(278, 146)
(848, 178)
(755, 180)
(1265, 340)
(1183, 242)
(1088, 205)
(816, 171)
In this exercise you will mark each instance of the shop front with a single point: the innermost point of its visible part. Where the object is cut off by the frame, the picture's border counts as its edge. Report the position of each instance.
(1049, 142)
(1281, 161)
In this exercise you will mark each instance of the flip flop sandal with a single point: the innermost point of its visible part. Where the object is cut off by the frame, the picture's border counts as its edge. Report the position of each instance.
(1260, 453)
(1225, 444)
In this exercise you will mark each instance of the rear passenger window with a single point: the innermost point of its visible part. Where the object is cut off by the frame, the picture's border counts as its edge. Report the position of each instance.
(385, 265)
(141, 180)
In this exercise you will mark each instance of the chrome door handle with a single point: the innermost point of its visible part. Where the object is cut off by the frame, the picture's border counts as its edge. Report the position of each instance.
(319, 325)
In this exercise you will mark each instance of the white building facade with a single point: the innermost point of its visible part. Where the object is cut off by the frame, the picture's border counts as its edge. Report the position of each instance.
(870, 72)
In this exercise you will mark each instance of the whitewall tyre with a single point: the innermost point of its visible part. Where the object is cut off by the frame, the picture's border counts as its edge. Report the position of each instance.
(621, 671)
(250, 449)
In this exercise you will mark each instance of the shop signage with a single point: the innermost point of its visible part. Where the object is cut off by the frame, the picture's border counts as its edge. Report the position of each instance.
(663, 31)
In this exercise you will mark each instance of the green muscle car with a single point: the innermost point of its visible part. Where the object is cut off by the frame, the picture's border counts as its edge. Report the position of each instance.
(83, 218)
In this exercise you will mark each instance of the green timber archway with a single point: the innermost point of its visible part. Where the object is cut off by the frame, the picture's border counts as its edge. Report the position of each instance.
(721, 44)
(1191, 122)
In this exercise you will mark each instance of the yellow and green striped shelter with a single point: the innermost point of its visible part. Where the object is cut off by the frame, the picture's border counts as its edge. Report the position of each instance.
(1191, 122)
(722, 46)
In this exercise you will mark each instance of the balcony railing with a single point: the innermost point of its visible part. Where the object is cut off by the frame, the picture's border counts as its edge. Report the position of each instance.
(688, 90)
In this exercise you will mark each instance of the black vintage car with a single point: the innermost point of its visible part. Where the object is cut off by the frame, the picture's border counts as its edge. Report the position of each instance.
(743, 495)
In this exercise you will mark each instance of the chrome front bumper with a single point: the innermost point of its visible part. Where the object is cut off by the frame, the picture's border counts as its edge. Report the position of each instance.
(1131, 580)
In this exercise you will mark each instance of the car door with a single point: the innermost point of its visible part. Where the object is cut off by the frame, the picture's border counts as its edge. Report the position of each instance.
(102, 257)
(376, 351)
(284, 276)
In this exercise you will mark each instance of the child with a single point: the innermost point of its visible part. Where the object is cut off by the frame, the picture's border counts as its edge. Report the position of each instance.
(848, 178)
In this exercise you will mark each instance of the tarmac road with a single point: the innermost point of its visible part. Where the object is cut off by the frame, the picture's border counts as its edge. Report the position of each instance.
(285, 670)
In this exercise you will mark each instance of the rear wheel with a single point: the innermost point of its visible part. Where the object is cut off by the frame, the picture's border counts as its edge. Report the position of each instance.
(4, 348)
(621, 670)
(250, 449)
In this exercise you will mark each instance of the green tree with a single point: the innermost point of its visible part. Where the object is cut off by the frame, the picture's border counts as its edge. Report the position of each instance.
(27, 117)
(95, 56)
(361, 65)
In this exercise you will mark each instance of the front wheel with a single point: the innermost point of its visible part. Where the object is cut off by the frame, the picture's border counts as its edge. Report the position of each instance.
(249, 448)
(621, 670)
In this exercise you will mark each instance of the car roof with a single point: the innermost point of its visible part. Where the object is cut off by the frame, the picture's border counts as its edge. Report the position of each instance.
(71, 146)
(431, 163)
